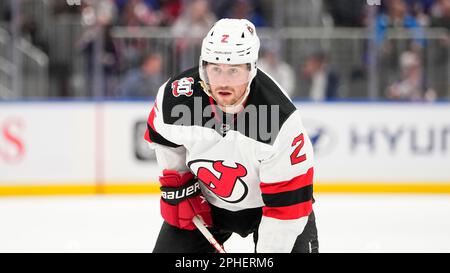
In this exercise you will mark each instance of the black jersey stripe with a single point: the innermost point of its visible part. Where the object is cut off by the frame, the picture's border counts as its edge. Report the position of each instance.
(288, 198)
(157, 138)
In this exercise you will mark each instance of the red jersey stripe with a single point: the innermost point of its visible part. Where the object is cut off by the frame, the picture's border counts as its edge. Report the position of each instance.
(291, 185)
(151, 119)
(147, 136)
(289, 212)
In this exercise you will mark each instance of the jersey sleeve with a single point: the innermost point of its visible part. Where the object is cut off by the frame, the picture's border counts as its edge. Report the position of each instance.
(287, 187)
(171, 158)
(157, 131)
(170, 155)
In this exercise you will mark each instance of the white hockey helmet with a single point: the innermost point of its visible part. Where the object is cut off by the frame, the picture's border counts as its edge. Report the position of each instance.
(230, 41)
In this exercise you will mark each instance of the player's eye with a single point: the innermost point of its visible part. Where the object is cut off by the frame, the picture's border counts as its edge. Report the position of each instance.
(233, 71)
(216, 70)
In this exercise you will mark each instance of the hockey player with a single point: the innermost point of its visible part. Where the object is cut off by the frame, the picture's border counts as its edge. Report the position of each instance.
(233, 150)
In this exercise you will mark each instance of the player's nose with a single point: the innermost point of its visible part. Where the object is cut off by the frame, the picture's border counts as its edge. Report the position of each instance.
(224, 80)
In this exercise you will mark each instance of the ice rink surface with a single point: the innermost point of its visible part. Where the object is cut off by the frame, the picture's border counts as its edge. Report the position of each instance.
(346, 223)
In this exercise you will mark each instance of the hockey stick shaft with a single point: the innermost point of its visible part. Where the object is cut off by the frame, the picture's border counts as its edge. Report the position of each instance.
(200, 224)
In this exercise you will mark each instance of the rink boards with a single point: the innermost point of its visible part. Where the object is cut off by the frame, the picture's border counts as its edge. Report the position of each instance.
(71, 147)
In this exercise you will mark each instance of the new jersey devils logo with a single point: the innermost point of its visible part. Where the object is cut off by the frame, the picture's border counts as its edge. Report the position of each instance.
(224, 181)
(183, 87)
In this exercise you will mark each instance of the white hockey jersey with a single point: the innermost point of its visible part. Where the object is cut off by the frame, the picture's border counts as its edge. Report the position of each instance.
(258, 158)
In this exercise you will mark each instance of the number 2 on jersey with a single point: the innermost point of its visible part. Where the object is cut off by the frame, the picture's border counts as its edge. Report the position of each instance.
(295, 157)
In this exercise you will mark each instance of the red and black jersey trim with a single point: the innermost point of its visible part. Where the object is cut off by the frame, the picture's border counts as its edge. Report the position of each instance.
(289, 200)
(154, 137)
(151, 135)
(289, 212)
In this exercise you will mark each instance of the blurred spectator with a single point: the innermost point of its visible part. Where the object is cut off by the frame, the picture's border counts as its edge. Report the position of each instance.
(28, 25)
(306, 13)
(442, 18)
(190, 28)
(411, 85)
(61, 7)
(424, 5)
(5, 13)
(282, 72)
(324, 83)
(170, 11)
(98, 18)
(439, 55)
(30, 31)
(396, 16)
(245, 9)
(145, 80)
(153, 4)
(420, 9)
(138, 13)
(343, 16)
(220, 7)
(195, 20)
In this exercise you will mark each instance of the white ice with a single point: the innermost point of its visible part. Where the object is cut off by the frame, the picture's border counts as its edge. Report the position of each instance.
(346, 223)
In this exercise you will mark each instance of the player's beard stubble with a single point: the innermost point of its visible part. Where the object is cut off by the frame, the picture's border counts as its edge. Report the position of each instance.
(226, 96)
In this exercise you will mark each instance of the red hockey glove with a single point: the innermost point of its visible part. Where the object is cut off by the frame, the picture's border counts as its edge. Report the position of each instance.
(181, 200)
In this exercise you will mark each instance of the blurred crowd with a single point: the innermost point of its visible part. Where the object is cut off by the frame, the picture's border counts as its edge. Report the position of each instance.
(138, 70)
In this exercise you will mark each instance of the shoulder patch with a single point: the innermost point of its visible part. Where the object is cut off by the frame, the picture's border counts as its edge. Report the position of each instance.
(183, 90)
(183, 86)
